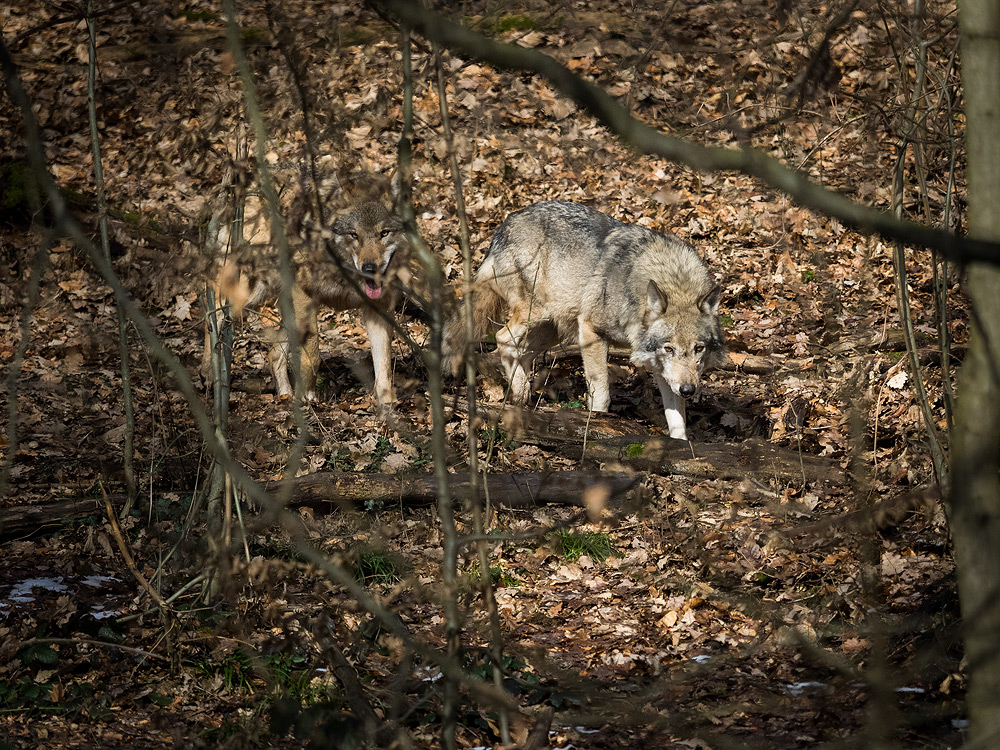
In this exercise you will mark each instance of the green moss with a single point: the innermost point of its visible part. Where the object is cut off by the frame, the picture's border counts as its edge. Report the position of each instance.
(134, 52)
(136, 220)
(253, 36)
(19, 193)
(499, 23)
(515, 23)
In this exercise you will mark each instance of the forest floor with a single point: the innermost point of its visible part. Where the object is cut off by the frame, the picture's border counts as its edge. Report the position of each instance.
(762, 611)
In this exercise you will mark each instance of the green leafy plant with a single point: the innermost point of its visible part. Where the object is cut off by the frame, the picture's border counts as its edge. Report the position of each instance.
(498, 576)
(39, 653)
(24, 694)
(234, 669)
(29, 695)
(289, 672)
(374, 567)
(574, 544)
(340, 461)
(383, 447)
(634, 450)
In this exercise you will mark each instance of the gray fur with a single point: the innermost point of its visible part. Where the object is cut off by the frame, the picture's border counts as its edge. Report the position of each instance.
(568, 272)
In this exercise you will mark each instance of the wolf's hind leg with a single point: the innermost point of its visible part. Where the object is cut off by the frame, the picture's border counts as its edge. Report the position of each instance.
(380, 339)
(594, 351)
(515, 358)
(307, 329)
(673, 408)
(277, 357)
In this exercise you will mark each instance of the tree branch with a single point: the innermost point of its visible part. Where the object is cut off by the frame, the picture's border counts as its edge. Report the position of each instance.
(649, 140)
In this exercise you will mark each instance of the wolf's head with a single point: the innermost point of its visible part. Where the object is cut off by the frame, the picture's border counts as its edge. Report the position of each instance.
(369, 236)
(680, 338)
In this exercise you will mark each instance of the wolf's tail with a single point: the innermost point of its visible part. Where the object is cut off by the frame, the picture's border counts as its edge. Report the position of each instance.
(487, 306)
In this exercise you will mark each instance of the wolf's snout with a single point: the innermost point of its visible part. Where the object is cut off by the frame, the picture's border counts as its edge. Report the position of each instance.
(372, 287)
(688, 390)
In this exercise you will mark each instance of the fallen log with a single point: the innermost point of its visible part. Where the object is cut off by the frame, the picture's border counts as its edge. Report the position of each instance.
(29, 520)
(489, 362)
(356, 490)
(750, 458)
(605, 438)
(552, 426)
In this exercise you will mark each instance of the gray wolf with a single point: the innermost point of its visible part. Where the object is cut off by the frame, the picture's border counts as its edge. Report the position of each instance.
(370, 256)
(567, 272)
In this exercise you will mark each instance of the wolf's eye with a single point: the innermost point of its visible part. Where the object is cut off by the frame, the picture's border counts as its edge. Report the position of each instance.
(669, 350)
(699, 348)
(386, 233)
(352, 234)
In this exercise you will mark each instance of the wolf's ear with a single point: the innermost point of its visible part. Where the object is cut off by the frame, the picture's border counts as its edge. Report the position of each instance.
(709, 302)
(656, 300)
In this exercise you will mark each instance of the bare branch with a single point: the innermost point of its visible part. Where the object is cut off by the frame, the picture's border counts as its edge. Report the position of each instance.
(649, 140)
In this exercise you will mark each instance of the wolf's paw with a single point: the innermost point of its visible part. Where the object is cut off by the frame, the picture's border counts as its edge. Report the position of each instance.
(513, 420)
(206, 377)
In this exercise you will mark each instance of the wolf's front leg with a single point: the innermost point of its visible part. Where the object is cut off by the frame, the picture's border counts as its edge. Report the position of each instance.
(673, 408)
(594, 351)
(380, 338)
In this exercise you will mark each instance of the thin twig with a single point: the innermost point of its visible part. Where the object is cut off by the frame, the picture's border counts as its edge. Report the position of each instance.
(475, 498)
(432, 357)
(116, 532)
(91, 642)
(128, 448)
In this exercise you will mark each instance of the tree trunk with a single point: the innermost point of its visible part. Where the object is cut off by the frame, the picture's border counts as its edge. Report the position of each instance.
(975, 491)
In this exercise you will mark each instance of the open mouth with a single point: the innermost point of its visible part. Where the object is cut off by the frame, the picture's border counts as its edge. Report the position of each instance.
(373, 289)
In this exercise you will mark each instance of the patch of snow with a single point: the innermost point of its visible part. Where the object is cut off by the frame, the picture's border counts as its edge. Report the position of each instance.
(21, 592)
(797, 688)
(99, 613)
(97, 581)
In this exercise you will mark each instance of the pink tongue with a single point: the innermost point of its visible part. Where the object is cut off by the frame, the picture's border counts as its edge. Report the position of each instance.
(373, 292)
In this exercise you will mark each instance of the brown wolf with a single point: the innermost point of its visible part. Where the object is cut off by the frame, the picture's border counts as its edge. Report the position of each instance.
(565, 271)
(372, 253)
